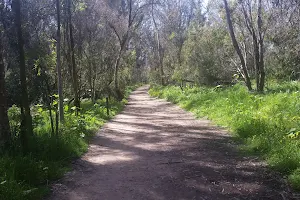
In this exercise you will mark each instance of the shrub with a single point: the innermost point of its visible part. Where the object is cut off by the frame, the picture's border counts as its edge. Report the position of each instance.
(23, 177)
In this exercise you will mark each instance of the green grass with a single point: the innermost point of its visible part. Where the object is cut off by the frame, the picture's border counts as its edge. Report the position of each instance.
(267, 124)
(26, 177)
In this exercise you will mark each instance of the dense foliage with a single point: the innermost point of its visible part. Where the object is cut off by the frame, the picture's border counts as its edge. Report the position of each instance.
(198, 48)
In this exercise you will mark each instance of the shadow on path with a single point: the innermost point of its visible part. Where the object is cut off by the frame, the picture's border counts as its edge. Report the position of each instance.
(155, 150)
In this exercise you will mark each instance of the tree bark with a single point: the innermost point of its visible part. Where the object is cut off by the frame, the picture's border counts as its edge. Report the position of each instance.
(236, 47)
(256, 59)
(123, 41)
(26, 119)
(5, 135)
(261, 85)
(73, 62)
(159, 49)
(116, 74)
(58, 66)
(257, 42)
(93, 87)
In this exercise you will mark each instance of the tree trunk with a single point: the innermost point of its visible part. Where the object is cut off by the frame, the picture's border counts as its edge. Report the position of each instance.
(90, 76)
(261, 49)
(68, 51)
(26, 119)
(93, 88)
(159, 49)
(74, 70)
(161, 61)
(256, 59)
(258, 43)
(262, 72)
(58, 66)
(236, 47)
(116, 76)
(5, 135)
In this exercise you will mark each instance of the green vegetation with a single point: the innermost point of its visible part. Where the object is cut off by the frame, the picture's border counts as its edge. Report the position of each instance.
(268, 124)
(26, 176)
(91, 49)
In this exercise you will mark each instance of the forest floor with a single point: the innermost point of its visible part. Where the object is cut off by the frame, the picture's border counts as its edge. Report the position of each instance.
(155, 150)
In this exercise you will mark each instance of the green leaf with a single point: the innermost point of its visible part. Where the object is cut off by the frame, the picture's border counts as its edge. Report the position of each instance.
(66, 108)
(81, 6)
(82, 135)
(172, 35)
(55, 103)
(73, 108)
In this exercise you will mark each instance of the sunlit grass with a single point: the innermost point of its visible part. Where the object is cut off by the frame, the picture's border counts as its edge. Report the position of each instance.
(267, 124)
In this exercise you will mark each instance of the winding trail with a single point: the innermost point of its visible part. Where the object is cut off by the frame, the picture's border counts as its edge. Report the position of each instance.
(154, 150)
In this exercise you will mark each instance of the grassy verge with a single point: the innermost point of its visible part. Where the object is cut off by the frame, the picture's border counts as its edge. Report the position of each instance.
(27, 177)
(268, 124)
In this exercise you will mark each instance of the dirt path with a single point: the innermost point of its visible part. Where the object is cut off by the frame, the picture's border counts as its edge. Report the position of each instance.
(155, 150)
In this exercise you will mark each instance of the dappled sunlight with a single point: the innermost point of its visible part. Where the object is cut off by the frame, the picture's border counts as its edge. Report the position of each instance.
(112, 158)
(102, 155)
(162, 146)
(156, 151)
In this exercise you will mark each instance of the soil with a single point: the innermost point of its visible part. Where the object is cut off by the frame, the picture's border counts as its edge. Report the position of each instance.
(154, 150)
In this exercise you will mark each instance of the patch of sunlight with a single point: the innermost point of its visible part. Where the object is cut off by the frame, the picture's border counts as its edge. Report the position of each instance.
(159, 146)
(103, 156)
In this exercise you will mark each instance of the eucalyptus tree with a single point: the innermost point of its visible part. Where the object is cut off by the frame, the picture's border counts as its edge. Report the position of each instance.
(26, 119)
(5, 135)
(124, 18)
(58, 62)
(283, 58)
(253, 11)
(171, 23)
(71, 53)
(158, 47)
(244, 70)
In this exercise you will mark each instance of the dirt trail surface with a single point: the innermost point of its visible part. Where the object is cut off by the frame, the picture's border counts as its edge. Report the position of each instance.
(154, 150)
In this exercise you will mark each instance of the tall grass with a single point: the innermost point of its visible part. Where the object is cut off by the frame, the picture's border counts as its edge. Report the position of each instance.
(268, 124)
(26, 177)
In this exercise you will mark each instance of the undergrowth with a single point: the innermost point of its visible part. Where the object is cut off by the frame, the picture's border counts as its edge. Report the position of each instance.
(268, 124)
(26, 177)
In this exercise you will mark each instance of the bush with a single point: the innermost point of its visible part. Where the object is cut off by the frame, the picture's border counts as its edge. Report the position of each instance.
(23, 177)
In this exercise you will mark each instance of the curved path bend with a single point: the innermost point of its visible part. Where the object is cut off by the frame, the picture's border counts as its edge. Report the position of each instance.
(154, 150)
